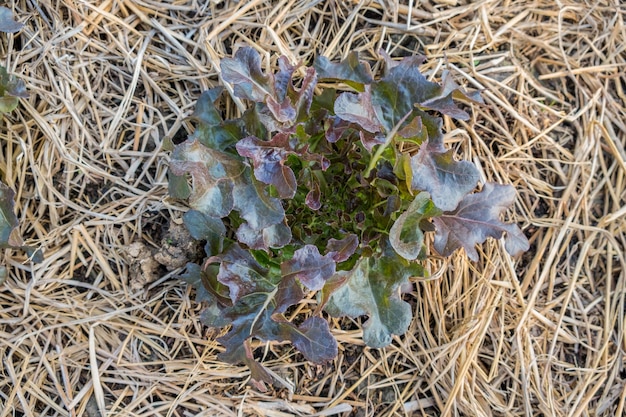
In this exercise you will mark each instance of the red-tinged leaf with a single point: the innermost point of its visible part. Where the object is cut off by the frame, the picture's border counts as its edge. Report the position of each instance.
(268, 158)
(283, 111)
(311, 268)
(241, 273)
(312, 199)
(313, 339)
(275, 236)
(394, 203)
(324, 102)
(477, 218)
(372, 288)
(211, 130)
(348, 70)
(289, 293)
(390, 63)
(322, 162)
(212, 316)
(249, 317)
(284, 105)
(344, 248)
(254, 204)
(253, 317)
(205, 111)
(357, 108)
(281, 105)
(369, 140)
(193, 277)
(406, 236)
(433, 127)
(447, 180)
(253, 125)
(335, 128)
(245, 73)
(265, 115)
(304, 96)
(330, 286)
(7, 22)
(414, 131)
(403, 87)
(213, 173)
(295, 103)
(446, 106)
(258, 374)
(203, 227)
(282, 79)
(394, 96)
(299, 100)
(444, 102)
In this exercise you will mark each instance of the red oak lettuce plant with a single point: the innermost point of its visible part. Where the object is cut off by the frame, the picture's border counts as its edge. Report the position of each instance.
(326, 188)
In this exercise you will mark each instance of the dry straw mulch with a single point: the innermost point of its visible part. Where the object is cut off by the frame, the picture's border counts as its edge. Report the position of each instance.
(89, 333)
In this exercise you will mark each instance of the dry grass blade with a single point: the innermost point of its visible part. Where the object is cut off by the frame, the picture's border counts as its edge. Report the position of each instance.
(101, 328)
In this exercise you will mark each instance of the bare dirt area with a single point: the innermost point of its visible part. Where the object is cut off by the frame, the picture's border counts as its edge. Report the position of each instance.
(103, 327)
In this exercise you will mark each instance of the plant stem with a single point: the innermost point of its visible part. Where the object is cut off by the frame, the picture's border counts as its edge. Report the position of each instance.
(382, 147)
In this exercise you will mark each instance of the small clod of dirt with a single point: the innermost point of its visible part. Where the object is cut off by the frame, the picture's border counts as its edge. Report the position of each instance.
(147, 263)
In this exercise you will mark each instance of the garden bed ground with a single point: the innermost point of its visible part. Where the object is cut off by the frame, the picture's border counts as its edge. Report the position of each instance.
(89, 333)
